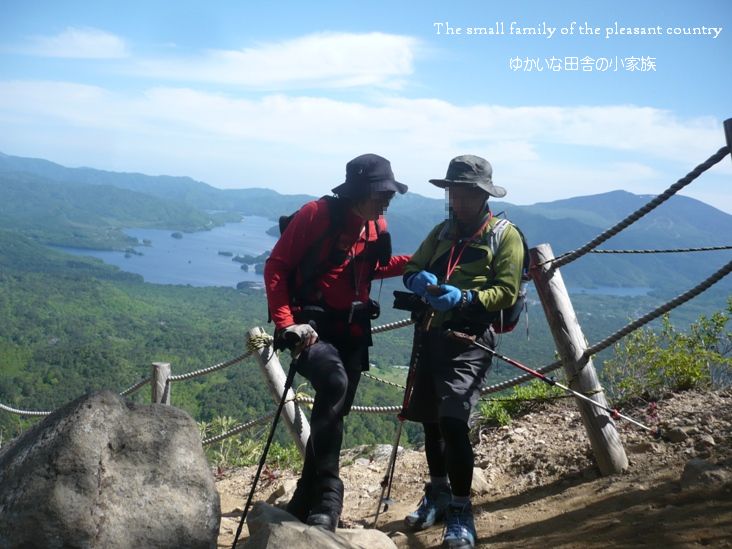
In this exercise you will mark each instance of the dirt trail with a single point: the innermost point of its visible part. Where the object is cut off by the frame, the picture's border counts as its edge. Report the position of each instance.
(544, 490)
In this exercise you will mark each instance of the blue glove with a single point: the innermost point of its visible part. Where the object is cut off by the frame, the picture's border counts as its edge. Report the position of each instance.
(449, 298)
(418, 282)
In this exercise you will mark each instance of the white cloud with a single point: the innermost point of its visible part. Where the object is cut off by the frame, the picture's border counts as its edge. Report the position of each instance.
(323, 60)
(300, 144)
(81, 43)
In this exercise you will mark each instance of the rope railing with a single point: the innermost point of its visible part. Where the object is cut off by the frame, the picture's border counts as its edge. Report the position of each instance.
(237, 429)
(666, 251)
(136, 387)
(392, 326)
(384, 381)
(205, 371)
(363, 409)
(140, 384)
(567, 258)
(23, 412)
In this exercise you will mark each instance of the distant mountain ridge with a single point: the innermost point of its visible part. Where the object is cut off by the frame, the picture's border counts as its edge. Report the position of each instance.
(183, 203)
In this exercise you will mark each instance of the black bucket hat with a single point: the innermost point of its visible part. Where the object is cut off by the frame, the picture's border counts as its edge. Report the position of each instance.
(366, 174)
(470, 170)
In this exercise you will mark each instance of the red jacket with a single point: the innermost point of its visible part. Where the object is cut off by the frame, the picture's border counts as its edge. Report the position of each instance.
(341, 285)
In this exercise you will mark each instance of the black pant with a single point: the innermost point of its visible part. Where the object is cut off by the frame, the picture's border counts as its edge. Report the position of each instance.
(446, 388)
(449, 453)
(334, 370)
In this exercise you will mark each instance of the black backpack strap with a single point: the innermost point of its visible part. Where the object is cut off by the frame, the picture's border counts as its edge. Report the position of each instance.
(311, 266)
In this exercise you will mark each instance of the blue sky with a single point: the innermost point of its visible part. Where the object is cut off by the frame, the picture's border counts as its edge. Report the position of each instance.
(283, 94)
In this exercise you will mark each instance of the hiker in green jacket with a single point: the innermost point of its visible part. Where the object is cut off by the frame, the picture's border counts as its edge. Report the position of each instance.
(467, 271)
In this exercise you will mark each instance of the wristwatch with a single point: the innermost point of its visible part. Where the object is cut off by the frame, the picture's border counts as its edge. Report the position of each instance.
(466, 298)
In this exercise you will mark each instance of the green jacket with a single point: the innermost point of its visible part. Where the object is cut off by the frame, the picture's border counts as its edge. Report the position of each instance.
(496, 279)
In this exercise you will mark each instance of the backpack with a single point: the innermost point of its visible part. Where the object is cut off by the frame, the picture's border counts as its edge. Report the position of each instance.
(508, 318)
(311, 267)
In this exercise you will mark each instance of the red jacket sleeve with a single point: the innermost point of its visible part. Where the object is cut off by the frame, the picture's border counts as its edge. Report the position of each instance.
(307, 226)
(395, 267)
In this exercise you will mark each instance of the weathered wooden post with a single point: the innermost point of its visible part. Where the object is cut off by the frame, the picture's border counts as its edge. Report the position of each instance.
(160, 383)
(571, 344)
(293, 415)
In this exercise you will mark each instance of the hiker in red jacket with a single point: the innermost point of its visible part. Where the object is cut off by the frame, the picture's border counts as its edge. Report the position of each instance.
(318, 279)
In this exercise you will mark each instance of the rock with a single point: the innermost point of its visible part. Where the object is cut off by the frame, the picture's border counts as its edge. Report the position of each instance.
(272, 528)
(480, 484)
(705, 441)
(676, 434)
(702, 473)
(283, 494)
(383, 452)
(103, 473)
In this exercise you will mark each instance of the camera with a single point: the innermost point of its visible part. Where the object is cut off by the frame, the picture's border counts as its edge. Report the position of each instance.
(407, 301)
(371, 309)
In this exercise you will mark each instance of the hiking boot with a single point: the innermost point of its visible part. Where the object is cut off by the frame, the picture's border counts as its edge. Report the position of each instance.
(328, 511)
(324, 518)
(459, 527)
(431, 508)
(299, 504)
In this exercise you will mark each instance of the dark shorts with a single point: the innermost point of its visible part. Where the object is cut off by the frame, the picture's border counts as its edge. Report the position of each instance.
(448, 376)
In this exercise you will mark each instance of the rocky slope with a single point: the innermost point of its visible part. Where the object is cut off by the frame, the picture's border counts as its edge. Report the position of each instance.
(542, 488)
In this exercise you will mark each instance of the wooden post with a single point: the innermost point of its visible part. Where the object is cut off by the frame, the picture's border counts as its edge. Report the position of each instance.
(160, 383)
(293, 415)
(571, 344)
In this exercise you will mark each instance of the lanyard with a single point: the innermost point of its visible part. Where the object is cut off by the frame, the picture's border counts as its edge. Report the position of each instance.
(452, 265)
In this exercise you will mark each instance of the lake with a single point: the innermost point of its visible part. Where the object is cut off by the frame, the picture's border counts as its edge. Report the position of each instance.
(618, 291)
(193, 259)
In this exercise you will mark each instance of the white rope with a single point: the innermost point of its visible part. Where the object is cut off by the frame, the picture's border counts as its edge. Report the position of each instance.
(392, 326)
(237, 429)
(210, 369)
(136, 387)
(22, 412)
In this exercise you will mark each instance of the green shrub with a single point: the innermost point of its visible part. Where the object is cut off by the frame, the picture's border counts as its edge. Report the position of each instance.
(245, 448)
(648, 363)
(522, 400)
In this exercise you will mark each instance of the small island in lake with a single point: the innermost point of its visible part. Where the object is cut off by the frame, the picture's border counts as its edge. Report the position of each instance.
(250, 259)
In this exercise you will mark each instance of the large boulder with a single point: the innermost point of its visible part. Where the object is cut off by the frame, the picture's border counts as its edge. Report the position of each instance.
(102, 472)
(273, 528)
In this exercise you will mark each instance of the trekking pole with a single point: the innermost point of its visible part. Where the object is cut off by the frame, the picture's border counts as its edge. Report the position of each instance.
(288, 385)
(386, 482)
(614, 413)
